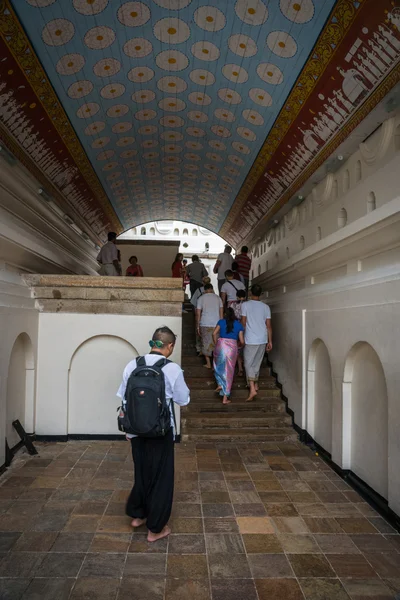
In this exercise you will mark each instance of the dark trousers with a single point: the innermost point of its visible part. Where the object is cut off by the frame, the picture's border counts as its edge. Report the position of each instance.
(151, 496)
(194, 285)
(220, 284)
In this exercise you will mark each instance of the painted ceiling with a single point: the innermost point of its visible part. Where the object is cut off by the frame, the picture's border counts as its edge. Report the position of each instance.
(205, 111)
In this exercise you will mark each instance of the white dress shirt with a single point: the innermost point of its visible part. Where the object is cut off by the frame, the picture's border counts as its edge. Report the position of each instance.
(175, 386)
(108, 254)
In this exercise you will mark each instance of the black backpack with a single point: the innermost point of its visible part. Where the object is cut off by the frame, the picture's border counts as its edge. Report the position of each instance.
(144, 411)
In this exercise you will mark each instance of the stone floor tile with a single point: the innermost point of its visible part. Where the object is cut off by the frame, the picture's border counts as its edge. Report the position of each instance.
(262, 543)
(381, 525)
(49, 589)
(114, 524)
(72, 542)
(186, 525)
(250, 510)
(336, 543)
(323, 589)
(184, 509)
(235, 589)
(145, 564)
(386, 565)
(310, 565)
(191, 566)
(218, 510)
(356, 525)
(302, 497)
(239, 486)
(371, 543)
(60, 564)
(191, 497)
(229, 543)
(20, 564)
(90, 507)
(255, 525)
(273, 496)
(35, 541)
(186, 544)
(182, 589)
(188, 486)
(315, 509)
(13, 589)
(290, 525)
(140, 545)
(215, 497)
(88, 588)
(229, 566)
(278, 589)
(14, 522)
(298, 543)
(26, 507)
(83, 524)
(142, 588)
(102, 565)
(281, 510)
(352, 566)
(264, 566)
(8, 539)
(49, 520)
(322, 525)
(362, 589)
(394, 540)
(110, 542)
(224, 525)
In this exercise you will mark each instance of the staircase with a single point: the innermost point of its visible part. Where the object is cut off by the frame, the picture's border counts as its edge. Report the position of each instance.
(206, 419)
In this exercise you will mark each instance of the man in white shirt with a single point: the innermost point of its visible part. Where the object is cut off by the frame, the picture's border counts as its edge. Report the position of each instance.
(108, 257)
(209, 311)
(150, 500)
(256, 320)
(224, 262)
(230, 289)
(193, 300)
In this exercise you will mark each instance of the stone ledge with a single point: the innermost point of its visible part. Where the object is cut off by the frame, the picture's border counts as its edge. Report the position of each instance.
(88, 281)
(105, 307)
(109, 294)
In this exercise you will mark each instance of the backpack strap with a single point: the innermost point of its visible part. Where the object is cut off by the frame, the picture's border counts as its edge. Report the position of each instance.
(141, 362)
(233, 285)
(161, 363)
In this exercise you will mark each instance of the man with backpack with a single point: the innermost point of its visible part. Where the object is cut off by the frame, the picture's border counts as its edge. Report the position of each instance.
(230, 289)
(150, 386)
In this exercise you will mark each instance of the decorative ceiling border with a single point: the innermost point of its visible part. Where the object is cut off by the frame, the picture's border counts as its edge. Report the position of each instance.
(338, 24)
(15, 39)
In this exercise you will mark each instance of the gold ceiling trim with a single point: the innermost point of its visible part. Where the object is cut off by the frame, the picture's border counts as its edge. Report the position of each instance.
(344, 14)
(17, 42)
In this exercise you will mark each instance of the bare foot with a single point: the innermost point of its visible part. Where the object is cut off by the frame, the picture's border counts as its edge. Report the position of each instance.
(154, 537)
(138, 522)
(218, 389)
(256, 386)
(207, 367)
(251, 397)
(226, 400)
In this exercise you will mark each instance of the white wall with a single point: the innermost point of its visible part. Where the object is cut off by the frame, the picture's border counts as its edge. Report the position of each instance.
(155, 260)
(19, 331)
(344, 290)
(82, 372)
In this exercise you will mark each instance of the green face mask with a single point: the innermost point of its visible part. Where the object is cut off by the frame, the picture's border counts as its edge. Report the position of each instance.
(156, 344)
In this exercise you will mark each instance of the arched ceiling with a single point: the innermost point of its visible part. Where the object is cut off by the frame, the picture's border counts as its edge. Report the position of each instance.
(175, 109)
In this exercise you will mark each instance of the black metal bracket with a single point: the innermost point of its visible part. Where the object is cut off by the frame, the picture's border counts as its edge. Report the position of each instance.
(25, 438)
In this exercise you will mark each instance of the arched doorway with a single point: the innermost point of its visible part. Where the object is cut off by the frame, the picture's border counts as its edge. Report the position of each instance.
(20, 388)
(319, 399)
(95, 374)
(365, 417)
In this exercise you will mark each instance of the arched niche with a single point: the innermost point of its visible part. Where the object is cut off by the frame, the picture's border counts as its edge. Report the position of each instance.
(176, 231)
(152, 231)
(143, 231)
(319, 234)
(20, 402)
(358, 171)
(319, 395)
(342, 218)
(95, 373)
(302, 242)
(346, 181)
(365, 417)
(371, 202)
(397, 138)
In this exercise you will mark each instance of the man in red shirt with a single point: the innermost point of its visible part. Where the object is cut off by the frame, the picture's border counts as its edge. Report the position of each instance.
(244, 265)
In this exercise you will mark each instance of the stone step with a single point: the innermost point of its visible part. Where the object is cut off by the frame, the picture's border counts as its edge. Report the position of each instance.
(267, 404)
(235, 420)
(201, 384)
(199, 371)
(281, 434)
